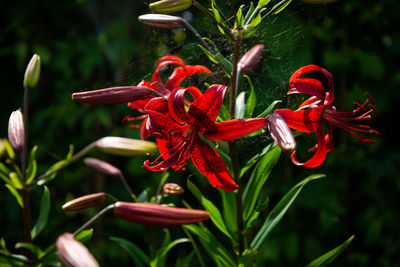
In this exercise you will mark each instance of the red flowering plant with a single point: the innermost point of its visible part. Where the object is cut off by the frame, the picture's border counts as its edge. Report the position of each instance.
(187, 123)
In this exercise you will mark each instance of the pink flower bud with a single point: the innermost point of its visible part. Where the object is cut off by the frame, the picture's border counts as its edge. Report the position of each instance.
(16, 130)
(251, 58)
(85, 202)
(281, 133)
(162, 21)
(113, 95)
(173, 189)
(103, 167)
(155, 214)
(73, 253)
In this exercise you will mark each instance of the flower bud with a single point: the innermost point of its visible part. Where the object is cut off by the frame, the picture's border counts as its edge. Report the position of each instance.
(32, 72)
(125, 146)
(170, 6)
(16, 130)
(85, 202)
(155, 214)
(113, 95)
(103, 167)
(251, 58)
(162, 21)
(281, 133)
(173, 189)
(73, 253)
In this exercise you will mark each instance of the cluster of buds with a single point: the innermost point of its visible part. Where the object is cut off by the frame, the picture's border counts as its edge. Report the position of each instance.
(155, 214)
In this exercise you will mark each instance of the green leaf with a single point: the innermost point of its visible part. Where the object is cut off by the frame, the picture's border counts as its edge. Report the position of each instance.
(239, 18)
(250, 163)
(9, 149)
(185, 262)
(161, 255)
(32, 166)
(279, 210)
(43, 213)
(215, 214)
(263, 3)
(229, 212)
(249, 12)
(84, 235)
(29, 246)
(215, 249)
(269, 109)
(257, 180)
(4, 173)
(16, 180)
(251, 101)
(15, 193)
(144, 196)
(251, 29)
(218, 55)
(282, 7)
(218, 18)
(330, 255)
(240, 108)
(138, 256)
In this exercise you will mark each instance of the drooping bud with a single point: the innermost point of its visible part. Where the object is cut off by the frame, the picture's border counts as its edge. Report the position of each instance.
(173, 189)
(170, 6)
(32, 72)
(113, 95)
(73, 253)
(281, 133)
(85, 202)
(155, 214)
(16, 130)
(125, 146)
(162, 21)
(251, 58)
(103, 167)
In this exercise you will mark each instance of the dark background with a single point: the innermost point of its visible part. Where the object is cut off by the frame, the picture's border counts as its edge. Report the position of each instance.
(87, 44)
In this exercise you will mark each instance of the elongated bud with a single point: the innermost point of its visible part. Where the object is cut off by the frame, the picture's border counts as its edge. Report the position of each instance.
(173, 189)
(169, 6)
(281, 133)
(16, 130)
(155, 214)
(113, 95)
(103, 167)
(251, 58)
(125, 146)
(85, 202)
(162, 21)
(73, 253)
(32, 72)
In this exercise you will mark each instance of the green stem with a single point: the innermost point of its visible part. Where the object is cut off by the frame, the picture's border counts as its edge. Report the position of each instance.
(232, 147)
(73, 159)
(127, 187)
(93, 219)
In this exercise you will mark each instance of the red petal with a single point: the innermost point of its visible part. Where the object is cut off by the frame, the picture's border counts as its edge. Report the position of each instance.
(183, 72)
(210, 164)
(205, 109)
(233, 129)
(307, 86)
(319, 155)
(176, 102)
(156, 108)
(302, 120)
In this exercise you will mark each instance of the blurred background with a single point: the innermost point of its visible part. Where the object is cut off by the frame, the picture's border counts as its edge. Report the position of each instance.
(88, 44)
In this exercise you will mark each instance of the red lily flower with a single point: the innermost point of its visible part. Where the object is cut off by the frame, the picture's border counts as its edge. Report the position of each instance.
(177, 130)
(179, 74)
(318, 110)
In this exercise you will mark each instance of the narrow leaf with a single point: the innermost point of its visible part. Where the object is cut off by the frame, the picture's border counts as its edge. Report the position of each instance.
(279, 211)
(251, 101)
(15, 193)
(161, 257)
(215, 214)
(137, 255)
(43, 213)
(330, 255)
(262, 3)
(282, 7)
(4, 173)
(32, 166)
(84, 235)
(240, 106)
(257, 180)
(270, 108)
(29, 246)
(16, 180)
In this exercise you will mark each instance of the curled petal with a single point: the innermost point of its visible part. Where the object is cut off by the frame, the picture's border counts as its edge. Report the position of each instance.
(320, 152)
(233, 129)
(176, 102)
(308, 86)
(302, 120)
(182, 73)
(205, 109)
(211, 165)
